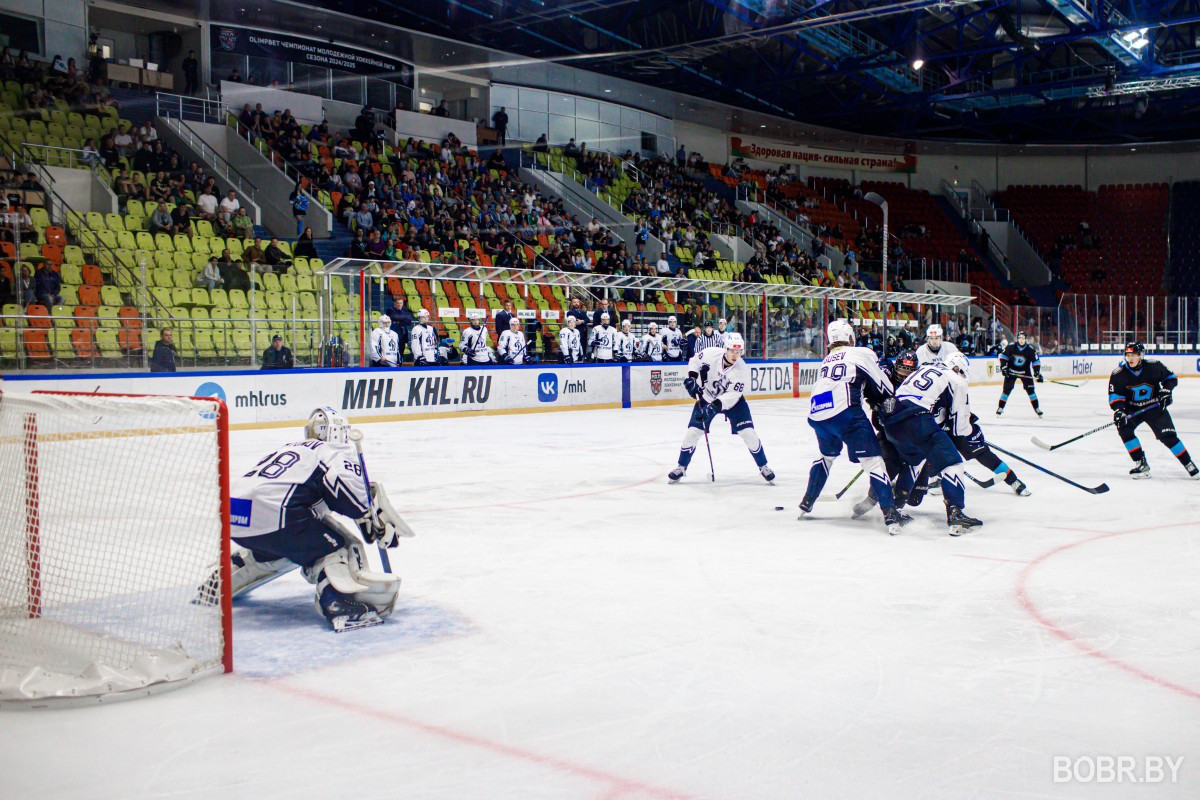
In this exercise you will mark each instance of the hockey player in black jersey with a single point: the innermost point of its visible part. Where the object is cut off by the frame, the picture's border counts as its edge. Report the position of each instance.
(1020, 360)
(1140, 390)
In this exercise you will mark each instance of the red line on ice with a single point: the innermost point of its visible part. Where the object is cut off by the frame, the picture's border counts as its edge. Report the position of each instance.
(619, 785)
(1021, 589)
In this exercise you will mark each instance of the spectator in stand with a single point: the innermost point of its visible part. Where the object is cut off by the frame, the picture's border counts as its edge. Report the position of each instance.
(502, 319)
(277, 356)
(210, 278)
(235, 76)
(500, 123)
(25, 290)
(206, 205)
(299, 202)
(255, 255)
(228, 207)
(123, 140)
(191, 73)
(276, 257)
(163, 359)
(243, 226)
(6, 290)
(440, 109)
(662, 265)
(305, 246)
(181, 218)
(681, 157)
(160, 221)
(541, 145)
(109, 154)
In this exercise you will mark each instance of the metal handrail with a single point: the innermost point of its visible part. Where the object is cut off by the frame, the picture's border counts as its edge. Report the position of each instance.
(211, 157)
(289, 170)
(178, 105)
(76, 158)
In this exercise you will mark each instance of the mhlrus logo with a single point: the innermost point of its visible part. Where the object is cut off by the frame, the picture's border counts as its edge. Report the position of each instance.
(247, 400)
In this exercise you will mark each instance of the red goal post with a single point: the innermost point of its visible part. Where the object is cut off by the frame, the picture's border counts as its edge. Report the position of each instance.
(114, 545)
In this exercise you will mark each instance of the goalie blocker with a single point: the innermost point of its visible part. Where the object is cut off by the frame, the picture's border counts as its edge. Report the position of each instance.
(306, 505)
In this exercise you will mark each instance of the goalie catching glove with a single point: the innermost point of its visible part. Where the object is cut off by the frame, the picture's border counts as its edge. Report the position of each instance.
(382, 525)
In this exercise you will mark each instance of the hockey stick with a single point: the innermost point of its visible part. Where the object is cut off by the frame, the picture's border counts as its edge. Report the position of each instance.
(712, 472)
(989, 483)
(1101, 489)
(846, 488)
(1045, 446)
(1064, 383)
(383, 556)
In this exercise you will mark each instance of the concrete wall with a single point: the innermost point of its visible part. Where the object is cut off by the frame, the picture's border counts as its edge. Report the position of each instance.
(433, 129)
(82, 190)
(64, 25)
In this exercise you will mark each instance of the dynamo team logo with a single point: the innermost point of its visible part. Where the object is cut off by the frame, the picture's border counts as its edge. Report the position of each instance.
(227, 37)
(655, 381)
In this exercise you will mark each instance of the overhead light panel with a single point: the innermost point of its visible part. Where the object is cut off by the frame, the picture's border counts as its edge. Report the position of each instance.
(918, 63)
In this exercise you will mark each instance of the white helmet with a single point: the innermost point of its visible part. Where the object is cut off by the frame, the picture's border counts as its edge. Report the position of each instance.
(721, 323)
(422, 315)
(934, 330)
(840, 331)
(604, 317)
(625, 323)
(733, 341)
(385, 320)
(959, 363)
(571, 320)
(671, 320)
(328, 425)
(513, 322)
(653, 326)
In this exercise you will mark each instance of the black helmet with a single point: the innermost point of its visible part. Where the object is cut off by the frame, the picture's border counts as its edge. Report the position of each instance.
(1135, 347)
(905, 363)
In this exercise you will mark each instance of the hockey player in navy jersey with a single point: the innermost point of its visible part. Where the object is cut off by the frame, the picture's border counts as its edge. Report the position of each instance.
(911, 425)
(848, 375)
(1019, 361)
(305, 505)
(718, 378)
(1140, 390)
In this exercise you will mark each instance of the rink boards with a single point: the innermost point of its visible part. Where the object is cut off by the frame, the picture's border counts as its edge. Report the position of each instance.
(283, 398)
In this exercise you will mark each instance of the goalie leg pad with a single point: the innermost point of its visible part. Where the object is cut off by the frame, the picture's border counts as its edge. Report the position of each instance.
(345, 571)
(248, 573)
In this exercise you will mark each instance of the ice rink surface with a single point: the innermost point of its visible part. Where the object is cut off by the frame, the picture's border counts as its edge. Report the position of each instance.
(572, 626)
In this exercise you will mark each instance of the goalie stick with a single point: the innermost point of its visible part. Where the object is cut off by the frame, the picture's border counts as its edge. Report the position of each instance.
(1101, 489)
(1045, 446)
(383, 556)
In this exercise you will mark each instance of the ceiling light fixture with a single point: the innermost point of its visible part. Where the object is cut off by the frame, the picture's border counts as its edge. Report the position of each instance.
(918, 63)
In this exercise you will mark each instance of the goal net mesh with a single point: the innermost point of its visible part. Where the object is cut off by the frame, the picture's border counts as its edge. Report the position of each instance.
(111, 531)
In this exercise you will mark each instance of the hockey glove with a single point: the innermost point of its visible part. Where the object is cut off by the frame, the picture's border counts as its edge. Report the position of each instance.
(1164, 398)
(1040, 379)
(692, 387)
(708, 413)
(442, 361)
(704, 373)
(1120, 418)
(506, 360)
(419, 361)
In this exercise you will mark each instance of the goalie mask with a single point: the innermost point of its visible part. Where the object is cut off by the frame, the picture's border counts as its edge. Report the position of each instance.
(327, 425)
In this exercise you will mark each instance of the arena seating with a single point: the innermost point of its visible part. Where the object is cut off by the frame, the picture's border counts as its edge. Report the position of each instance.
(1122, 250)
(1185, 238)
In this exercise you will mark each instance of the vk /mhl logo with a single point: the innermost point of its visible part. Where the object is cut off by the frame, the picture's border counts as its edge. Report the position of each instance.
(547, 386)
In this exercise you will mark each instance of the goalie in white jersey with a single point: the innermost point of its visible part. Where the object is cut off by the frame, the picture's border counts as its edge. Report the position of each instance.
(936, 349)
(474, 343)
(510, 347)
(304, 505)
(911, 424)
(718, 378)
(569, 347)
(849, 375)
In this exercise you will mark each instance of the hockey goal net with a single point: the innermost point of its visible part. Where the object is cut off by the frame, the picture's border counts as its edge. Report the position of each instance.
(114, 545)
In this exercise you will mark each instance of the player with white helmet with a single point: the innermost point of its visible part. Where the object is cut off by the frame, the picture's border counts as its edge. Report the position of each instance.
(569, 347)
(672, 340)
(602, 340)
(385, 344)
(474, 343)
(624, 343)
(306, 504)
(650, 347)
(912, 425)
(935, 347)
(423, 341)
(510, 347)
(849, 375)
(718, 378)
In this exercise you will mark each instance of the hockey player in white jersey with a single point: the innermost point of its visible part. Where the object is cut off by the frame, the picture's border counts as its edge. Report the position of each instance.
(385, 344)
(910, 424)
(624, 343)
(602, 340)
(474, 343)
(305, 505)
(423, 341)
(718, 378)
(672, 340)
(510, 347)
(569, 347)
(723, 327)
(650, 348)
(935, 349)
(849, 375)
